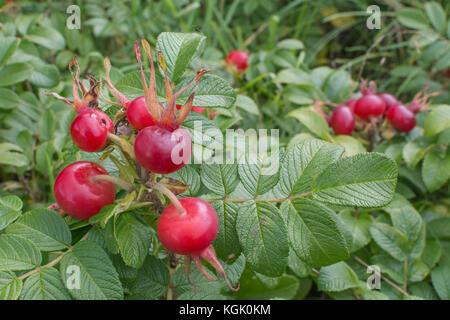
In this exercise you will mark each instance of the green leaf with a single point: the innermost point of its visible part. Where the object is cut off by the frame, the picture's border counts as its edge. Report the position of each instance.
(262, 235)
(337, 277)
(290, 44)
(255, 176)
(220, 179)
(178, 50)
(189, 176)
(296, 265)
(311, 120)
(314, 231)
(98, 278)
(304, 163)
(436, 15)
(440, 277)
(17, 253)
(151, 281)
(10, 286)
(406, 219)
(45, 76)
(247, 104)
(226, 241)
(412, 18)
(133, 238)
(294, 76)
(14, 73)
(364, 180)
(338, 86)
(414, 151)
(351, 145)
(10, 210)
(46, 37)
(359, 228)
(212, 91)
(44, 227)
(439, 228)
(437, 120)
(8, 46)
(44, 285)
(391, 240)
(432, 252)
(254, 289)
(435, 170)
(424, 290)
(105, 213)
(8, 99)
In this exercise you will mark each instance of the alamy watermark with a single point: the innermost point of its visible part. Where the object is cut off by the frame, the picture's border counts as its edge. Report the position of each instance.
(374, 21)
(374, 281)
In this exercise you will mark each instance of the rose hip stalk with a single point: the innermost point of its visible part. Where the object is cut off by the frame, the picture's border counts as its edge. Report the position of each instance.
(188, 226)
(165, 147)
(91, 127)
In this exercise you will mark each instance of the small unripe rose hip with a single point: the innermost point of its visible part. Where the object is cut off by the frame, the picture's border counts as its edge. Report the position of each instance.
(89, 130)
(238, 58)
(401, 118)
(342, 120)
(79, 194)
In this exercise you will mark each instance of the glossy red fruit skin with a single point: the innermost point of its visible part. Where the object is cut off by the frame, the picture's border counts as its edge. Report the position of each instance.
(389, 100)
(342, 120)
(369, 105)
(138, 114)
(155, 145)
(191, 232)
(78, 195)
(401, 118)
(89, 129)
(195, 109)
(239, 58)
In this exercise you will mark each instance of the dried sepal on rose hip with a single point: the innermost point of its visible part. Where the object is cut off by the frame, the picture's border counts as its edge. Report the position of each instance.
(164, 147)
(91, 127)
(188, 226)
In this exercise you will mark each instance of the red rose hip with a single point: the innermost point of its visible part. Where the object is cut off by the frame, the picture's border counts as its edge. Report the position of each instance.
(401, 118)
(79, 194)
(342, 120)
(238, 58)
(89, 130)
(162, 149)
(191, 232)
(138, 114)
(389, 100)
(369, 105)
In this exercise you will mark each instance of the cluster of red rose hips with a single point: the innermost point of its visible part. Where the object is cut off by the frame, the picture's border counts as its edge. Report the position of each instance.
(374, 106)
(187, 226)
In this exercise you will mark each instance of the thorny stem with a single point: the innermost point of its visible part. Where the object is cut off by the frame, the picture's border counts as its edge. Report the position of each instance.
(121, 183)
(169, 195)
(51, 263)
(262, 199)
(383, 277)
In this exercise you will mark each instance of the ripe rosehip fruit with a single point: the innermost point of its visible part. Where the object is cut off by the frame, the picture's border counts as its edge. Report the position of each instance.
(342, 120)
(369, 105)
(238, 58)
(79, 194)
(89, 129)
(401, 118)
(191, 232)
(351, 104)
(196, 109)
(389, 100)
(138, 114)
(162, 149)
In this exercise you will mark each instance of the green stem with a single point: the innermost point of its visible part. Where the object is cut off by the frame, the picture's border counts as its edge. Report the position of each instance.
(173, 198)
(123, 144)
(121, 183)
